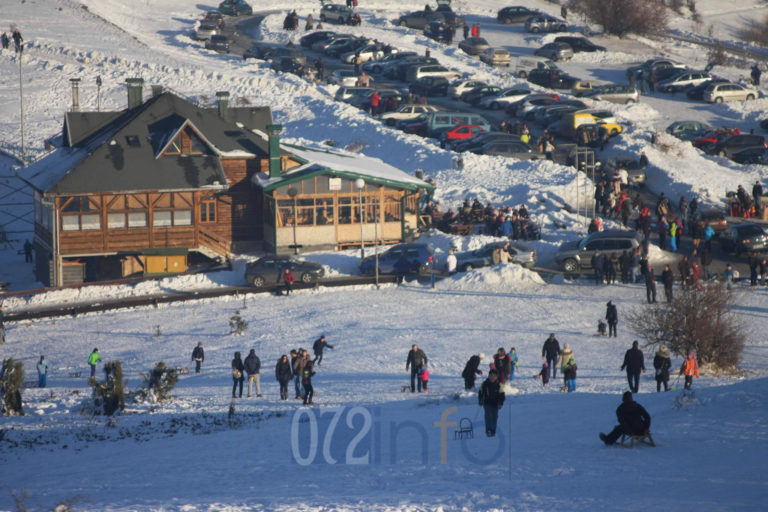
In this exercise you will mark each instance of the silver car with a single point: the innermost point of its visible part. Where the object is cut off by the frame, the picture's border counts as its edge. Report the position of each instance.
(555, 51)
(577, 254)
(483, 257)
(205, 31)
(496, 57)
(615, 93)
(545, 23)
(718, 93)
(474, 45)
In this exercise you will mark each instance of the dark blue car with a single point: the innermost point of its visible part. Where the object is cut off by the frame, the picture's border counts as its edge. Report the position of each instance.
(401, 259)
(235, 8)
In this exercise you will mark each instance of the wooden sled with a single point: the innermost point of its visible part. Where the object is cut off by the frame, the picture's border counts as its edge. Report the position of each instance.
(641, 438)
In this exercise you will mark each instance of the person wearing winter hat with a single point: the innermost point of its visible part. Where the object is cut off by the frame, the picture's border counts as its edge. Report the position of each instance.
(569, 372)
(544, 373)
(690, 368)
(93, 359)
(634, 364)
(472, 370)
(633, 420)
(491, 398)
(612, 317)
(662, 363)
(252, 365)
(562, 362)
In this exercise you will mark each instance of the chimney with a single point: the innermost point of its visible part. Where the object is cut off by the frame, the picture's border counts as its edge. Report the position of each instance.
(275, 164)
(135, 92)
(75, 94)
(223, 99)
(157, 90)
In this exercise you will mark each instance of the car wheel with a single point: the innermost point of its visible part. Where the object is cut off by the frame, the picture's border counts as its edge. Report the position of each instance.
(570, 265)
(614, 132)
(467, 268)
(424, 269)
(306, 277)
(535, 30)
(495, 105)
(718, 99)
(750, 97)
(403, 23)
(507, 21)
(629, 101)
(257, 281)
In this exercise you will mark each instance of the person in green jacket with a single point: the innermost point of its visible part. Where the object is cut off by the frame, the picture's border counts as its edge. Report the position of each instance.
(93, 359)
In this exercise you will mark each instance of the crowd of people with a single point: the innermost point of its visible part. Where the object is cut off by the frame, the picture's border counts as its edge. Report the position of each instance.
(512, 223)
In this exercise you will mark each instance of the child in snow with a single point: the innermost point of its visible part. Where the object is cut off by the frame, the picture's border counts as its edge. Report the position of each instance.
(424, 377)
(512, 363)
(569, 371)
(544, 374)
(601, 327)
(689, 369)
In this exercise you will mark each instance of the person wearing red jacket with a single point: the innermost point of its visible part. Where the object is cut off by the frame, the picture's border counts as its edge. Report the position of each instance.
(375, 100)
(288, 279)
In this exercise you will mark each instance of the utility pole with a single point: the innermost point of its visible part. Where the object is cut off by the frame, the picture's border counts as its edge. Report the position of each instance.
(98, 93)
(21, 106)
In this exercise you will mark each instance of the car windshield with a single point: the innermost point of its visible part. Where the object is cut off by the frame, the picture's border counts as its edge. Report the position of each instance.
(751, 230)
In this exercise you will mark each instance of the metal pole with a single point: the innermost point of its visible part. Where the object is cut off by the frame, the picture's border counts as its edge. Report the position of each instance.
(21, 106)
(295, 246)
(362, 220)
(376, 241)
(98, 93)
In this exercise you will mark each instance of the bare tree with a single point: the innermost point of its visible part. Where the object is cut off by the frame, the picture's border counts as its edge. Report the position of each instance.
(756, 32)
(621, 17)
(699, 319)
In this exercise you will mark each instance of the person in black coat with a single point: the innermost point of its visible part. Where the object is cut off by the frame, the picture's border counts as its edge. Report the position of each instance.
(612, 317)
(650, 285)
(503, 364)
(252, 366)
(668, 278)
(634, 364)
(283, 374)
(633, 420)
(491, 397)
(551, 352)
(416, 359)
(662, 363)
(306, 381)
(318, 347)
(237, 374)
(471, 371)
(198, 356)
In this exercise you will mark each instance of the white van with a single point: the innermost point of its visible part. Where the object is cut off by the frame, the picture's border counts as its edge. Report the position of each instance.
(525, 63)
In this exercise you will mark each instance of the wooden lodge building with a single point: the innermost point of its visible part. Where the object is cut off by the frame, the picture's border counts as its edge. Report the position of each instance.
(143, 189)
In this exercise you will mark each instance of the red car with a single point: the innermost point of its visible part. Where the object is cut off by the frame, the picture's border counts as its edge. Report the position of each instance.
(714, 136)
(461, 132)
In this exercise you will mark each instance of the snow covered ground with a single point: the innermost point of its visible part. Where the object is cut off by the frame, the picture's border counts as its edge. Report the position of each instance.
(190, 454)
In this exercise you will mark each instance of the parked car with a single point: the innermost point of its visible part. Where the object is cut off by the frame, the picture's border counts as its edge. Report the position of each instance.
(764, 124)
(345, 46)
(321, 35)
(545, 23)
(483, 257)
(570, 123)
(552, 78)
(654, 65)
(459, 87)
(413, 258)
(536, 112)
(503, 98)
(288, 65)
(523, 105)
(474, 45)
(257, 50)
(416, 72)
(366, 52)
(687, 130)
(214, 17)
(269, 270)
(439, 31)
(346, 93)
(713, 136)
(580, 44)
(386, 97)
(508, 148)
(683, 81)
(515, 14)
(406, 112)
(753, 155)
(218, 43)
(545, 115)
(721, 92)
(399, 69)
(337, 13)
(474, 96)
(461, 132)
(727, 147)
(715, 218)
(420, 19)
(696, 92)
(417, 125)
(740, 238)
(577, 254)
(286, 51)
(345, 77)
(206, 30)
(617, 93)
(321, 45)
(635, 173)
(438, 122)
(555, 51)
(377, 66)
(429, 86)
(482, 138)
(523, 64)
(496, 57)
(235, 8)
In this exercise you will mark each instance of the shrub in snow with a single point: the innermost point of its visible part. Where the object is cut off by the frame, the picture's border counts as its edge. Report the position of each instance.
(11, 379)
(109, 396)
(756, 32)
(620, 17)
(237, 325)
(158, 383)
(699, 319)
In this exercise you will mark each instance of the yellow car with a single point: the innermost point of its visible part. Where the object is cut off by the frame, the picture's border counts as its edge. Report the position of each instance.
(584, 86)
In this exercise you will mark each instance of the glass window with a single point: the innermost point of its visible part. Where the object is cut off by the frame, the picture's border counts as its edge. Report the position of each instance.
(322, 185)
(182, 218)
(305, 216)
(161, 218)
(115, 220)
(345, 210)
(137, 220)
(308, 186)
(208, 210)
(89, 222)
(70, 223)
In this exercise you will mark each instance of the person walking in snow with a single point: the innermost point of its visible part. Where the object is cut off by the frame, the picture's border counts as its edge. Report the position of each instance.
(306, 381)
(662, 363)
(283, 374)
(17, 40)
(310, 22)
(562, 361)
(668, 278)
(416, 359)
(633, 420)
(650, 284)
(93, 360)
(42, 372)
(513, 362)
(634, 364)
(299, 363)
(756, 74)
(690, 368)
(550, 352)
(491, 398)
(237, 374)
(5, 41)
(198, 356)
(612, 317)
(569, 372)
(317, 348)
(252, 365)
(544, 374)
(472, 370)
(503, 364)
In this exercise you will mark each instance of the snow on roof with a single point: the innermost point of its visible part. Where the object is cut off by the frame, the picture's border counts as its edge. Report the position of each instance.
(320, 158)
